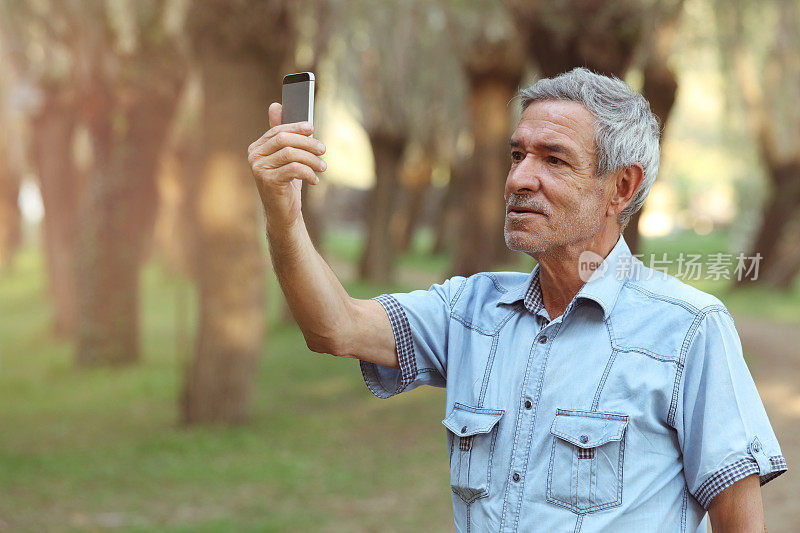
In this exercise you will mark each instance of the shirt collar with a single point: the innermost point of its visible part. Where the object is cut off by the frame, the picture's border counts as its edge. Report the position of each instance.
(603, 286)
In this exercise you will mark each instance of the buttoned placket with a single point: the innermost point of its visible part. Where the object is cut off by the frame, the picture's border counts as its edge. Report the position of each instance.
(526, 418)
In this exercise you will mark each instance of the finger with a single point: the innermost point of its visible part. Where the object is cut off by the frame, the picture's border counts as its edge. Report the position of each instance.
(286, 139)
(276, 122)
(275, 112)
(288, 155)
(301, 128)
(297, 170)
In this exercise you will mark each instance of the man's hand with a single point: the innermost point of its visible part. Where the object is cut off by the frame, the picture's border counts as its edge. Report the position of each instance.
(738, 508)
(280, 159)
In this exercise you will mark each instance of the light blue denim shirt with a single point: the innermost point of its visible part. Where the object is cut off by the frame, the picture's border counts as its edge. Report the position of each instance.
(629, 412)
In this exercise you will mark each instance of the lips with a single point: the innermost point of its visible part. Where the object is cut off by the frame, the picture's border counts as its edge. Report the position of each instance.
(521, 211)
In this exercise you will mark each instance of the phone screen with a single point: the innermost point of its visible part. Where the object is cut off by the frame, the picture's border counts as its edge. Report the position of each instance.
(298, 98)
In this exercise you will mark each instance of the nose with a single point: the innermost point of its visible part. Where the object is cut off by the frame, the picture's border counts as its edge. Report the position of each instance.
(524, 177)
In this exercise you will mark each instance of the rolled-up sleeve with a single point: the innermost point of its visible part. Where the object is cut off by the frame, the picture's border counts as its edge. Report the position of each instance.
(723, 428)
(420, 321)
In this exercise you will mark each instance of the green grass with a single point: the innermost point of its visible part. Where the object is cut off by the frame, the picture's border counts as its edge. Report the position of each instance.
(95, 450)
(91, 450)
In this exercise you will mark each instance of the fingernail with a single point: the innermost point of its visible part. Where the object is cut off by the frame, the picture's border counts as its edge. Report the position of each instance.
(321, 147)
(324, 165)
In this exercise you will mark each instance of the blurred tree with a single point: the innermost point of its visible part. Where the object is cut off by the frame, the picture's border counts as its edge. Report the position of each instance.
(316, 22)
(181, 162)
(380, 75)
(403, 80)
(769, 96)
(10, 171)
(448, 215)
(605, 37)
(40, 43)
(415, 180)
(243, 49)
(659, 81)
(132, 64)
(492, 56)
(10, 217)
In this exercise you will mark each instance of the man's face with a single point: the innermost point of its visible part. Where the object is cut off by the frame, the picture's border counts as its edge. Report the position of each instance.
(553, 197)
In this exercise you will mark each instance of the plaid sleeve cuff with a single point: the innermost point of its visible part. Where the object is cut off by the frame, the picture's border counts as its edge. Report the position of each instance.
(385, 382)
(727, 476)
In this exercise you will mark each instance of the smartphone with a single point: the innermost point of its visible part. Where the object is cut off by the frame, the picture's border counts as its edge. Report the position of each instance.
(298, 97)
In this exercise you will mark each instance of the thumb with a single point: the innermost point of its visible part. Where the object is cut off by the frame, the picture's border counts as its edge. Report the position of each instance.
(275, 113)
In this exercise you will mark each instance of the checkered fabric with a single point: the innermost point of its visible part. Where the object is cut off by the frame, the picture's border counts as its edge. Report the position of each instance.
(585, 453)
(732, 473)
(533, 298)
(402, 338)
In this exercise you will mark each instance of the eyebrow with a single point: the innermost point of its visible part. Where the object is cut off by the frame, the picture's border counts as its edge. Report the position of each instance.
(548, 147)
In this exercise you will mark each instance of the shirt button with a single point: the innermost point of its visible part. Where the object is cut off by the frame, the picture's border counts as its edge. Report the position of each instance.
(543, 339)
(528, 404)
(515, 477)
(464, 429)
(756, 447)
(584, 439)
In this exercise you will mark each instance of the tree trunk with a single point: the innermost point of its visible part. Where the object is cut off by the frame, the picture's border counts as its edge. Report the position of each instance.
(448, 215)
(782, 206)
(483, 208)
(128, 112)
(61, 189)
(601, 36)
(782, 272)
(229, 262)
(10, 217)
(174, 229)
(377, 259)
(779, 146)
(117, 223)
(243, 49)
(416, 180)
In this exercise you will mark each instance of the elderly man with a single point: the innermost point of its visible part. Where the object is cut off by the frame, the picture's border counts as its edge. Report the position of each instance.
(589, 395)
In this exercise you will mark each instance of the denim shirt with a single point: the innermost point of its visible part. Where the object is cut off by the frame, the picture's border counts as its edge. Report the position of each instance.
(629, 412)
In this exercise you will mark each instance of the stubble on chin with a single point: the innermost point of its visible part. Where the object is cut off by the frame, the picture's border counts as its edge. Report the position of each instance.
(519, 240)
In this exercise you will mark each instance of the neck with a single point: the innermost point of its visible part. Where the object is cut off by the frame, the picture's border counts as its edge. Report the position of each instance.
(558, 269)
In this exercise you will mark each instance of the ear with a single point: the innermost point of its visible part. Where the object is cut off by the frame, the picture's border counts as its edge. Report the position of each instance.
(627, 182)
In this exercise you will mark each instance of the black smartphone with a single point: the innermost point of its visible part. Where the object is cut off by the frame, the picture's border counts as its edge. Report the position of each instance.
(298, 97)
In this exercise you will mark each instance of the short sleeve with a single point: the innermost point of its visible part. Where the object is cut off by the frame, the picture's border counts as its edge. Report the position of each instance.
(723, 428)
(420, 321)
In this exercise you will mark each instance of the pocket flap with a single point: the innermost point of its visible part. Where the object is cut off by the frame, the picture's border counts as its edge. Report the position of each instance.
(464, 420)
(588, 429)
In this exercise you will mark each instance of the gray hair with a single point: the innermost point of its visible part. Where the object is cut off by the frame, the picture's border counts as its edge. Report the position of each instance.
(627, 131)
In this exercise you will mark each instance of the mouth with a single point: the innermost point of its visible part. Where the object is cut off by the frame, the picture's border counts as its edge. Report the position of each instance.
(521, 211)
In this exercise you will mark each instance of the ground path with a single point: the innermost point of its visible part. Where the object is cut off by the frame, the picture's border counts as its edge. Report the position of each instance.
(774, 350)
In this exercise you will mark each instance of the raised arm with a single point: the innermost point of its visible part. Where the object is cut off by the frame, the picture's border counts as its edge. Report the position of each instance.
(331, 321)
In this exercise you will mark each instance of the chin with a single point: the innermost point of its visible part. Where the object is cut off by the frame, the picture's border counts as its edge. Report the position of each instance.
(520, 241)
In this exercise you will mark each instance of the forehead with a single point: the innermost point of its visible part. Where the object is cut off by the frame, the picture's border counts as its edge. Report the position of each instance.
(561, 121)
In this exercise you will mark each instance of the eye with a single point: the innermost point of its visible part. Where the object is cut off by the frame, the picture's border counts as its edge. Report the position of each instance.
(553, 160)
(516, 155)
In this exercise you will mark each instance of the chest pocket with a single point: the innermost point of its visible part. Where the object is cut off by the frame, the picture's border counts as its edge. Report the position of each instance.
(586, 460)
(472, 436)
